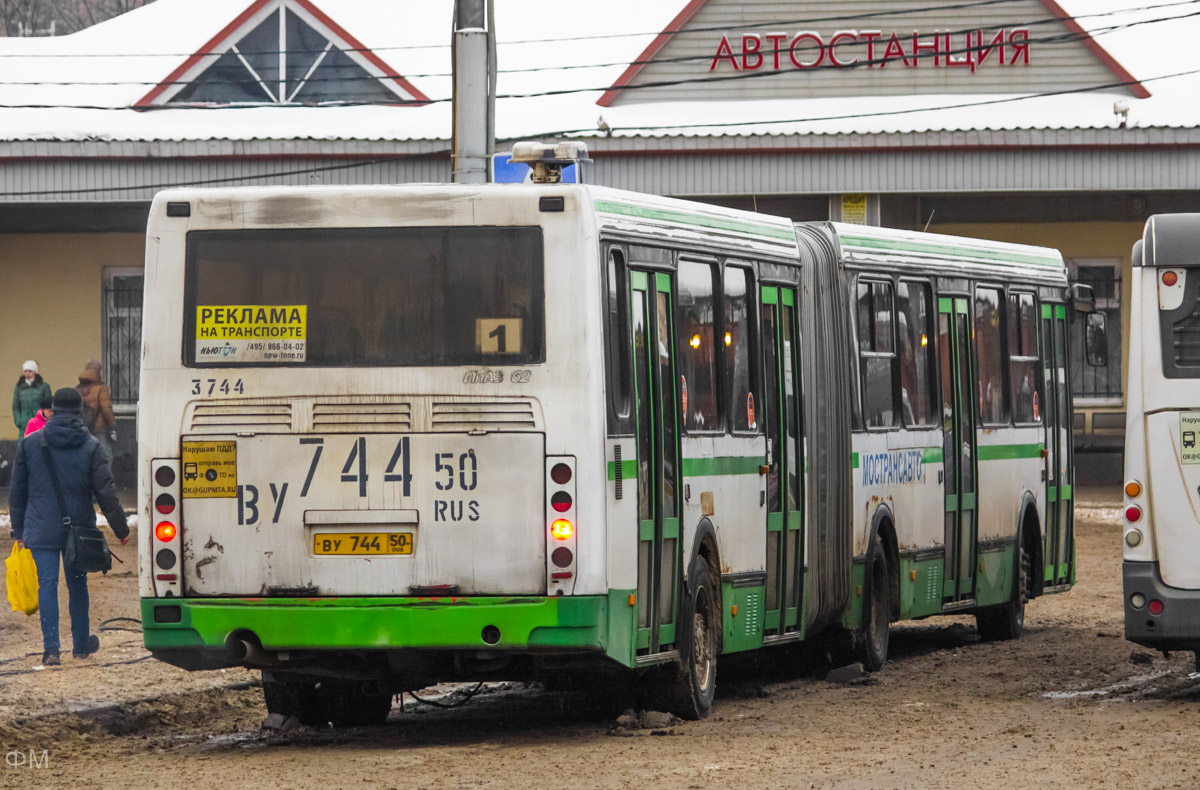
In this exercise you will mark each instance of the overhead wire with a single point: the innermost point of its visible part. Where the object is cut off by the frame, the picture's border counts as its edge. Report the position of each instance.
(1063, 38)
(1059, 38)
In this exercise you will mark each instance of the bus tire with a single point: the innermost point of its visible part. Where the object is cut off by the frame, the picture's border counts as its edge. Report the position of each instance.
(292, 698)
(348, 703)
(877, 611)
(700, 614)
(1007, 621)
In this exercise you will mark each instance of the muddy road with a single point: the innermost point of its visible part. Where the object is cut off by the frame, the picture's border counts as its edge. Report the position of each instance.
(1070, 704)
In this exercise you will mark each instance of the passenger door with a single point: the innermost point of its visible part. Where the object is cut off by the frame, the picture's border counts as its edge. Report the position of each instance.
(657, 424)
(958, 448)
(1059, 494)
(781, 387)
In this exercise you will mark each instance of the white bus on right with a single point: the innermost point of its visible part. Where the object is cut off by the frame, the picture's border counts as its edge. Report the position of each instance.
(1161, 571)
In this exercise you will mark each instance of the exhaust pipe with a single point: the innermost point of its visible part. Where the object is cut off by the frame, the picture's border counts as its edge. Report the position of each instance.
(251, 654)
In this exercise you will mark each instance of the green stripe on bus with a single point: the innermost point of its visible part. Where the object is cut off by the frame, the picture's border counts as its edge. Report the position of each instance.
(628, 470)
(1006, 452)
(1060, 311)
(854, 460)
(713, 223)
(726, 465)
(931, 455)
(998, 256)
(1064, 491)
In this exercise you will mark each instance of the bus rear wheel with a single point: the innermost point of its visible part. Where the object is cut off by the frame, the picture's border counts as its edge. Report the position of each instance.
(351, 703)
(695, 683)
(292, 698)
(877, 609)
(1007, 621)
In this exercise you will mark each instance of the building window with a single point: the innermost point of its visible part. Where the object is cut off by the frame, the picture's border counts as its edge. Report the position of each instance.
(1101, 381)
(123, 334)
(989, 350)
(877, 352)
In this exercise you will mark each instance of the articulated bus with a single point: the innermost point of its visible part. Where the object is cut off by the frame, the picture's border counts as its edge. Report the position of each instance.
(1162, 457)
(397, 435)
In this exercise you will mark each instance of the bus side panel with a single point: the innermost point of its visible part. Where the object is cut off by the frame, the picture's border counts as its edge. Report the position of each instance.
(621, 547)
(1010, 466)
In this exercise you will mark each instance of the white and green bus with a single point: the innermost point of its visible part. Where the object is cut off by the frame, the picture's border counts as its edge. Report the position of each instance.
(1162, 455)
(403, 434)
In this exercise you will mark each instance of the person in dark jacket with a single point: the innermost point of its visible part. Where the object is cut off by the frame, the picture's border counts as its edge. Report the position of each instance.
(84, 471)
(27, 396)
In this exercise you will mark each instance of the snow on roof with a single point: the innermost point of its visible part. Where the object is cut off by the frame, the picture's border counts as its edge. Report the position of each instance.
(130, 54)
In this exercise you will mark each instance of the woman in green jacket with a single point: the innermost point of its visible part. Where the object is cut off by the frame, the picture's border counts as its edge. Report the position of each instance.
(27, 396)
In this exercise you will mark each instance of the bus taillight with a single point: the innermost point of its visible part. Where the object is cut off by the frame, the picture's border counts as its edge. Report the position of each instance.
(165, 543)
(562, 529)
(1156, 606)
(1133, 513)
(1133, 488)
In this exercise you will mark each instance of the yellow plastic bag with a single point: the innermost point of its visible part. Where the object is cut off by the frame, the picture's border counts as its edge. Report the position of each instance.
(21, 577)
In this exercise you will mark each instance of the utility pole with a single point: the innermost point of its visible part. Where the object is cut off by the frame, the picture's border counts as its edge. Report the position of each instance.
(474, 91)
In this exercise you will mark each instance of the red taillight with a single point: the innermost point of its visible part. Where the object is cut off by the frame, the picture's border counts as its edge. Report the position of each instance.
(165, 531)
(561, 501)
(1170, 278)
(561, 529)
(1156, 606)
(561, 474)
(562, 557)
(1133, 513)
(164, 476)
(164, 503)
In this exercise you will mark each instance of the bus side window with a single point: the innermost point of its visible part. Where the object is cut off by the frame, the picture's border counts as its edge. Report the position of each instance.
(1023, 358)
(917, 388)
(616, 347)
(739, 382)
(877, 352)
(698, 361)
(989, 351)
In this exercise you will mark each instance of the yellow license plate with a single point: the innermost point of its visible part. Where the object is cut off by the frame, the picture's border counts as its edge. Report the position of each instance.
(363, 543)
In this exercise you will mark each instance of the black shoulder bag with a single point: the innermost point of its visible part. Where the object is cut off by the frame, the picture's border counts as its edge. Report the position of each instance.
(87, 551)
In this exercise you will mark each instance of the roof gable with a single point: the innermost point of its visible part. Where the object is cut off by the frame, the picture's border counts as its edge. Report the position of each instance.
(283, 52)
(722, 49)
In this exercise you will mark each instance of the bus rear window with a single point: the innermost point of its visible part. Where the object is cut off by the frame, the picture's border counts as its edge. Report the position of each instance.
(343, 297)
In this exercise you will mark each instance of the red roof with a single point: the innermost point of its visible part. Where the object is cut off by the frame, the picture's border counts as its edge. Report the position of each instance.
(683, 17)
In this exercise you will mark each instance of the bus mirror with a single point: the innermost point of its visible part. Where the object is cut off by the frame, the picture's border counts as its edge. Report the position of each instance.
(1096, 340)
(1083, 297)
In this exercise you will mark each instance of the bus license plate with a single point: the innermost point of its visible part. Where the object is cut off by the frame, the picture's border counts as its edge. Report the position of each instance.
(363, 543)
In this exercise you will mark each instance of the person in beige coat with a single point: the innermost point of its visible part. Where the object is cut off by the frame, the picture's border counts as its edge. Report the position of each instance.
(97, 413)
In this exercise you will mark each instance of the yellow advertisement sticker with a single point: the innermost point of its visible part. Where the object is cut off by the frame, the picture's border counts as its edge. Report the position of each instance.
(233, 334)
(209, 470)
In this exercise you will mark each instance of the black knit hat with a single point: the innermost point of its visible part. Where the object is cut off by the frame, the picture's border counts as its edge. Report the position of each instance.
(67, 399)
(47, 402)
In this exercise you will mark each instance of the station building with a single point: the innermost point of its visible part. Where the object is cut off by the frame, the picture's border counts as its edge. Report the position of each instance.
(1006, 120)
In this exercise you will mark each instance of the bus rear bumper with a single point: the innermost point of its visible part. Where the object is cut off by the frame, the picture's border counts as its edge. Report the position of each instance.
(1177, 627)
(198, 631)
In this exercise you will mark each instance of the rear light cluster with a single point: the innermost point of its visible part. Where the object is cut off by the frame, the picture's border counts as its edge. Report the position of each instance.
(1133, 514)
(560, 519)
(165, 513)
